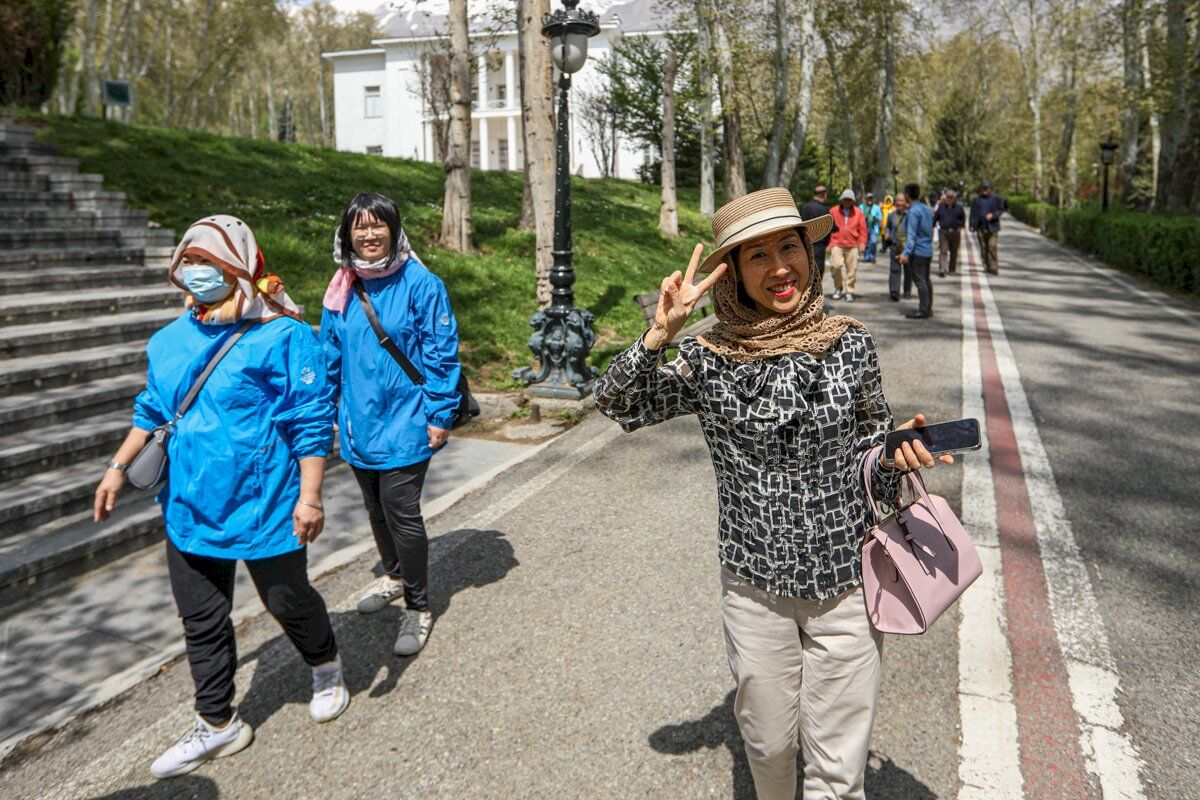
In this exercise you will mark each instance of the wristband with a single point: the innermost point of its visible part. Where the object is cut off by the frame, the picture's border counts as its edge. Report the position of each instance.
(117, 465)
(317, 506)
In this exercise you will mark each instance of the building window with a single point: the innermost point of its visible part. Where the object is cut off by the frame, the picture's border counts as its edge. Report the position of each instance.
(373, 107)
(501, 96)
(374, 149)
(502, 153)
(475, 154)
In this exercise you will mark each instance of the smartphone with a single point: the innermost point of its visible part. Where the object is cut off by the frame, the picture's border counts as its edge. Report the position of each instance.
(959, 436)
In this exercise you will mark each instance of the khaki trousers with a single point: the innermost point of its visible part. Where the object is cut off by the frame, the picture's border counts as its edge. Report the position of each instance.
(807, 674)
(843, 258)
(988, 242)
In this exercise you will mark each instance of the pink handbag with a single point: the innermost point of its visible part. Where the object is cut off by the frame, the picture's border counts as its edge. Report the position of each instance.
(916, 561)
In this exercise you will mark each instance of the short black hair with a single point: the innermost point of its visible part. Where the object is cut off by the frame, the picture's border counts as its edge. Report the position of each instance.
(379, 206)
(912, 191)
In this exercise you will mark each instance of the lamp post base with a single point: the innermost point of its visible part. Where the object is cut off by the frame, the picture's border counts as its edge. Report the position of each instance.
(562, 338)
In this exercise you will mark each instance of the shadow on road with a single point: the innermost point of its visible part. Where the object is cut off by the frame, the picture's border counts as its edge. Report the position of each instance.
(189, 787)
(718, 728)
(458, 560)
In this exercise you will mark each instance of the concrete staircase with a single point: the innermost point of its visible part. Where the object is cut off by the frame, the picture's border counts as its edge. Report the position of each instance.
(82, 287)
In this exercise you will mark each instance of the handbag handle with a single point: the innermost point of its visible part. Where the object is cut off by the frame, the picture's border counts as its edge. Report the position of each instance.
(916, 486)
(190, 397)
(385, 341)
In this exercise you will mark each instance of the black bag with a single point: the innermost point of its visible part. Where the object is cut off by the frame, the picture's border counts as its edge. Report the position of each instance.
(149, 467)
(468, 407)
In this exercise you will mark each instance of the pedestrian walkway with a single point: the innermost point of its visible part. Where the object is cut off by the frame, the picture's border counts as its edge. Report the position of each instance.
(578, 652)
(66, 651)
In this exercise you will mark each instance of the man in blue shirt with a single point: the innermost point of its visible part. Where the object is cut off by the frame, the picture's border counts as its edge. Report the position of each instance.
(918, 249)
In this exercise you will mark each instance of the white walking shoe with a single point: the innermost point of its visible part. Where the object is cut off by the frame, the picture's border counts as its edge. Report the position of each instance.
(202, 743)
(379, 594)
(414, 632)
(330, 695)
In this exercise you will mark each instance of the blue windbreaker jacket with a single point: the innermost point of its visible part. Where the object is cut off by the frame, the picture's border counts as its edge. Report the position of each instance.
(234, 475)
(382, 414)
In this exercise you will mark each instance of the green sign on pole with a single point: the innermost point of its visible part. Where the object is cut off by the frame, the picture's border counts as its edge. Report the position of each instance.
(115, 93)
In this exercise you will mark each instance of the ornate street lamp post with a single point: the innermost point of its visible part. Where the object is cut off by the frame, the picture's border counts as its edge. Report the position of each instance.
(1108, 153)
(562, 335)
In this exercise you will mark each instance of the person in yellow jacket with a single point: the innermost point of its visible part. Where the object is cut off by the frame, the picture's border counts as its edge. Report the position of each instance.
(887, 207)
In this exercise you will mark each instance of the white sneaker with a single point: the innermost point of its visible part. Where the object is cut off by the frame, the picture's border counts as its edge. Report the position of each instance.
(414, 632)
(849, 298)
(202, 743)
(330, 695)
(379, 594)
(837, 295)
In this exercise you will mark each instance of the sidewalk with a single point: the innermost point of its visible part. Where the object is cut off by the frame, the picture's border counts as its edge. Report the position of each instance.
(109, 629)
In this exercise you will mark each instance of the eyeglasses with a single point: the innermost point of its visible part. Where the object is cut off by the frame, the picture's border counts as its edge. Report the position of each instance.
(361, 233)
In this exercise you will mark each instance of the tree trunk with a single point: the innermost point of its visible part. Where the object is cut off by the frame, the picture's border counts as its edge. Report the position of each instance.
(1152, 110)
(708, 187)
(779, 124)
(527, 215)
(1131, 64)
(537, 120)
(668, 218)
(735, 166)
(804, 101)
(456, 210)
(883, 144)
(843, 99)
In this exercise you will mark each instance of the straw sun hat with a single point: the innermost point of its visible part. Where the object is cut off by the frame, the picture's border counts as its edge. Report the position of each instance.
(758, 214)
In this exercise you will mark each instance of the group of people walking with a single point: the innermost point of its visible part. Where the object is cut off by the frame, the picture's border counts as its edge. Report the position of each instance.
(908, 228)
(246, 455)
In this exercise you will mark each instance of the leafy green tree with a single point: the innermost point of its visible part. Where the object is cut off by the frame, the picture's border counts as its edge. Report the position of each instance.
(959, 150)
(31, 41)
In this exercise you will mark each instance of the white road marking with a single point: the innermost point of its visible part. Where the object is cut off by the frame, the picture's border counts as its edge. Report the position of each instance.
(989, 759)
(1092, 672)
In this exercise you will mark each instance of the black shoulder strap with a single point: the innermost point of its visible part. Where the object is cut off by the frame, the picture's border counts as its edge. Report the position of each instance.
(385, 341)
(212, 364)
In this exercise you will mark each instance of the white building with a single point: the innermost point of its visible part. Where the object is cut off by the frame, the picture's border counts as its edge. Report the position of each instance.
(390, 98)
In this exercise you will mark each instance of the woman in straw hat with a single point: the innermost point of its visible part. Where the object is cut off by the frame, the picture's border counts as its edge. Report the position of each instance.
(247, 462)
(790, 402)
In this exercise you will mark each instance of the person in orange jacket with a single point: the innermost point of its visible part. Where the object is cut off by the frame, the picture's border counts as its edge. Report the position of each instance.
(848, 242)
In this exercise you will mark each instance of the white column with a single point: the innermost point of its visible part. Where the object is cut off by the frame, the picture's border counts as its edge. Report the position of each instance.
(510, 87)
(483, 83)
(483, 144)
(512, 142)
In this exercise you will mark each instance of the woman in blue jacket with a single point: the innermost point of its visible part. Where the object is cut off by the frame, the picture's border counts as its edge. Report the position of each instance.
(246, 465)
(389, 427)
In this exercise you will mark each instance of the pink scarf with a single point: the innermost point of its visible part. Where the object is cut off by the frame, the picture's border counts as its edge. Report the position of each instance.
(338, 293)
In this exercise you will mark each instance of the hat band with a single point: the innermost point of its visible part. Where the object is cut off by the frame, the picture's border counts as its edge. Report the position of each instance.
(756, 223)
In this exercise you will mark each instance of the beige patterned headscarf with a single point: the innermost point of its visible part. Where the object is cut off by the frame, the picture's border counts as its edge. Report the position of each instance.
(743, 333)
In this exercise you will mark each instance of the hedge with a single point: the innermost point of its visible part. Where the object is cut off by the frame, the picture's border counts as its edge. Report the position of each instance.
(1164, 248)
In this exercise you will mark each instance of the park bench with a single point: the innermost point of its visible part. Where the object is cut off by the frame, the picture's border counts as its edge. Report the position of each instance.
(648, 302)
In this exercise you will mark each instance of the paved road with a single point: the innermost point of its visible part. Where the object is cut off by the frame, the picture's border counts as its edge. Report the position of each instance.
(577, 651)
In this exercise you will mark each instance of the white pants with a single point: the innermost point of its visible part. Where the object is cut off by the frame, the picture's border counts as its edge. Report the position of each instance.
(807, 674)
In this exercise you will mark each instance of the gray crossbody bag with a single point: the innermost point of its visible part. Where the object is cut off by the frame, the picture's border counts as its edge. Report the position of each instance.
(149, 467)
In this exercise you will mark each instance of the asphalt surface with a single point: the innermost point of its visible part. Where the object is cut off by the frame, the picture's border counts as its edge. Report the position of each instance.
(577, 649)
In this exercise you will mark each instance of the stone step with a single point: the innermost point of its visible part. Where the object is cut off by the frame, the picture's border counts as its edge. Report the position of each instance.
(46, 447)
(37, 163)
(11, 148)
(92, 198)
(16, 132)
(54, 370)
(87, 276)
(33, 218)
(75, 401)
(56, 305)
(50, 181)
(62, 239)
(27, 257)
(18, 341)
(39, 499)
(69, 546)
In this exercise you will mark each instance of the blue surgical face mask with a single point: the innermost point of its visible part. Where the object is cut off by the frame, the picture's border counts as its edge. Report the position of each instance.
(206, 282)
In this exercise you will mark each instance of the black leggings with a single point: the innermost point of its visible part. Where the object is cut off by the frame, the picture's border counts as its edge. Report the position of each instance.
(203, 589)
(393, 501)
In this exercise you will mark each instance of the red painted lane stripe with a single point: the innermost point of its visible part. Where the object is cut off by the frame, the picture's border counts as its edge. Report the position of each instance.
(1052, 763)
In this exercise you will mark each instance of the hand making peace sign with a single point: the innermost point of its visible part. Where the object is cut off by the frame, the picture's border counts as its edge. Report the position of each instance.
(677, 300)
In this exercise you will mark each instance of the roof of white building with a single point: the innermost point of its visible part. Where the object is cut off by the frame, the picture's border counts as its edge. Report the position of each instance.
(421, 23)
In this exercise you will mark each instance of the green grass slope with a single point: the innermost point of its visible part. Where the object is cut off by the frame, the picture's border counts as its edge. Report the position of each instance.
(292, 196)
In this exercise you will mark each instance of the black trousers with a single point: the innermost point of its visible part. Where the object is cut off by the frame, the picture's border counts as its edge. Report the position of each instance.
(819, 257)
(203, 589)
(920, 274)
(393, 501)
(895, 270)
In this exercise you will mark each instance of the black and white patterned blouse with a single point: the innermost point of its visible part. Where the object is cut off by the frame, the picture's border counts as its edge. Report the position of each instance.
(786, 435)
